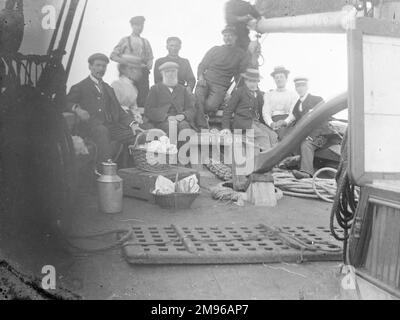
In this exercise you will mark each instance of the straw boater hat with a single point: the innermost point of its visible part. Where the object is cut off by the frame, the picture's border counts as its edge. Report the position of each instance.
(132, 60)
(280, 69)
(169, 66)
(300, 80)
(252, 74)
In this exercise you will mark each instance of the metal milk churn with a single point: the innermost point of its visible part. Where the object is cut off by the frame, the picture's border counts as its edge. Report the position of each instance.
(109, 186)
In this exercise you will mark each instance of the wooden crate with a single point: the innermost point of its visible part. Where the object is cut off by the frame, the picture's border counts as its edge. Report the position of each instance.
(139, 184)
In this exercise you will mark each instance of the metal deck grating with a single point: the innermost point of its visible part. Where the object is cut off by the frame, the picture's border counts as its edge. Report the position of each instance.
(229, 245)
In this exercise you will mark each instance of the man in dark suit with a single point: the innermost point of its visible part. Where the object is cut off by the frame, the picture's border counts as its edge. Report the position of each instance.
(318, 138)
(101, 117)
(169, 103)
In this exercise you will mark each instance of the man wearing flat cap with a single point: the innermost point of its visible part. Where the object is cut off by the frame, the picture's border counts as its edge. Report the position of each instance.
(279, 104)
(100, 115)
(169, 103)
(138, 46)
(215, 73)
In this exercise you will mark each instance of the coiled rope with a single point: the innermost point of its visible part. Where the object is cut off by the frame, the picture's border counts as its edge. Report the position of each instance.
(311, 188)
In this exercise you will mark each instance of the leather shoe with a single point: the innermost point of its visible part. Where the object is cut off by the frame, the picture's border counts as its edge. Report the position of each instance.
(301, 175)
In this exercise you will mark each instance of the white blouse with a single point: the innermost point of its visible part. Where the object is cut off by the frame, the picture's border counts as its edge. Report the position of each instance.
(127, 94)
(279, 102)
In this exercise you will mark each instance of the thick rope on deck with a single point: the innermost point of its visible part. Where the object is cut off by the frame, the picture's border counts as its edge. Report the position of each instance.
(312, 188)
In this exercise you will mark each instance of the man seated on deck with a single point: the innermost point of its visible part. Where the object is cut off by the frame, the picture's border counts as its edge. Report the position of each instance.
(318, 138)
(215, 73)
(278, 105)
(185, 72)
(101, 117)
(245, 104)
(169, 102)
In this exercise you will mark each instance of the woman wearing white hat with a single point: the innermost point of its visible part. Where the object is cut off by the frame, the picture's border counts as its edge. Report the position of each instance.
(130, 72)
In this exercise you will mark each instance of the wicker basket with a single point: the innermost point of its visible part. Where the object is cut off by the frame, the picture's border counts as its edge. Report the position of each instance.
(140, 155)
(177, 201)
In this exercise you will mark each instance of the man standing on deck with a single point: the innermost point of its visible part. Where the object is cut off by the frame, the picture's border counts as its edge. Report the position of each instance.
(215, 73)
(185, 73)
(279, 104)
(137, 46)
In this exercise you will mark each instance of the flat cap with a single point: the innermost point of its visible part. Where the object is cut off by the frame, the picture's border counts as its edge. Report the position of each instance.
(168, 66)
(98, 56)
(138, 20)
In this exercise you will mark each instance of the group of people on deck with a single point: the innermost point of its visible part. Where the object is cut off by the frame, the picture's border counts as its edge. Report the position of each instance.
(114, 114)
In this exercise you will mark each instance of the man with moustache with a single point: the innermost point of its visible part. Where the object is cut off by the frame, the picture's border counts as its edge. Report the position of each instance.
(101, 118)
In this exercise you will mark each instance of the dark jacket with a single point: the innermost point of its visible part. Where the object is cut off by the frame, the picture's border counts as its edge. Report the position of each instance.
(103, 109)
(161, 100)
(185, 73)
(222, 63)
(308, 104)
(244, 107)
(319, 134)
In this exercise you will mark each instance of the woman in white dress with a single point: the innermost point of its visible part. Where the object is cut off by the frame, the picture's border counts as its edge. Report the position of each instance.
(130, 72)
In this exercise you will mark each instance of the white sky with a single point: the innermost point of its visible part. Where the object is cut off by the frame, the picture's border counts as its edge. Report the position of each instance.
(322, 58)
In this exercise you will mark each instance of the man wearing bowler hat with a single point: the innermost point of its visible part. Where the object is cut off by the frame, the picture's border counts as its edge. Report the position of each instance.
(245, 109)
(138, 46)
(279, 104)
(215, 73)
(100, 114)
(169, 103)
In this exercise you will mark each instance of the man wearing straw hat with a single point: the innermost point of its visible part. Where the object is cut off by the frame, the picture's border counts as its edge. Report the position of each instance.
(246, 103)
(279, 104)
(319, 138)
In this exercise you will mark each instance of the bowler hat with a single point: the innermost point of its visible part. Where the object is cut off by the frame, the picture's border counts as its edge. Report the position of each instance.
(168, 66)
(98, 56)
(280, 69)
(252, 74)
(139, 20)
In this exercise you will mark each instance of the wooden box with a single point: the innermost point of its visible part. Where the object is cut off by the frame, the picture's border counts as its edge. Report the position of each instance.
(139, 184)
